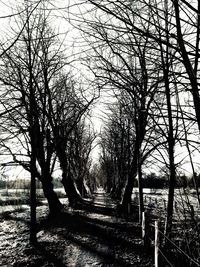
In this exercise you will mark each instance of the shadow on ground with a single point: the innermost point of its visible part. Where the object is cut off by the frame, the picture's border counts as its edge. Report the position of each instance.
(116, 241)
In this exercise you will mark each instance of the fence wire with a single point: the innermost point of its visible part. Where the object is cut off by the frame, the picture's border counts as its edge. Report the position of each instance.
(177, 247)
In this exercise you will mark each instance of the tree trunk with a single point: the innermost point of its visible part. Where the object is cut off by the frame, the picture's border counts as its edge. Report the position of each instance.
(31, 115)
(171, 141)
(188, 66)
(126, 200)
(70, 189)
(134, 168)
(33, 226)
(54, 203)
(140, 188)
(172, 181)
(81, 187)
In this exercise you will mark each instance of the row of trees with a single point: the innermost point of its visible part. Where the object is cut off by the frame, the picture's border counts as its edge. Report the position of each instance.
(147, 52)
(43, 109)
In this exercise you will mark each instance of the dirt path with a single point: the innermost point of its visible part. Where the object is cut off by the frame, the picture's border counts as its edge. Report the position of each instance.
(75, 239)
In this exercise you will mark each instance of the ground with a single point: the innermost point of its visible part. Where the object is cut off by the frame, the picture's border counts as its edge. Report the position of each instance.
(75, 238)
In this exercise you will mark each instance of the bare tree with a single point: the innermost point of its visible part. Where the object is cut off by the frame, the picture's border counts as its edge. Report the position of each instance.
(27, 67)
(116, 141)
(79, 146)
(124, 61)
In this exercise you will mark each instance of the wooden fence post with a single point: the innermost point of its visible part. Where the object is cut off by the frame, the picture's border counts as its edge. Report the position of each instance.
(156, 244)
(145, 231)
(143, 226)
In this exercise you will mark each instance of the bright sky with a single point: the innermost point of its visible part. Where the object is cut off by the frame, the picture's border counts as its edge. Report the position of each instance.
(72, 45)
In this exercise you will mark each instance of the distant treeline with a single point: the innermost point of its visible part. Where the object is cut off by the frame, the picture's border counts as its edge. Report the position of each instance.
(151, 180)
(154, 181)
(24, 184)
